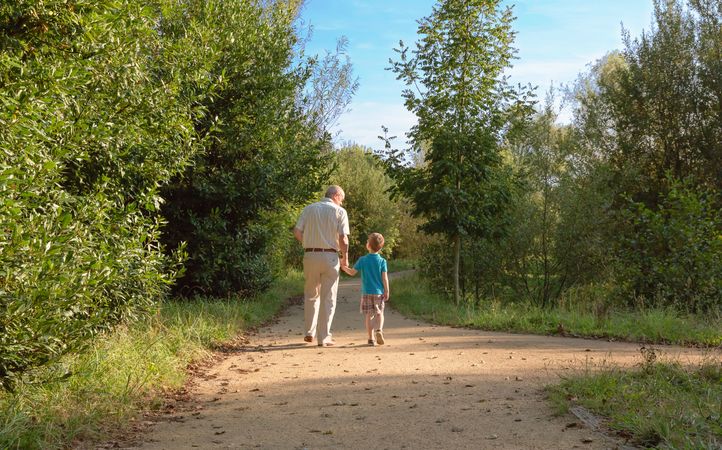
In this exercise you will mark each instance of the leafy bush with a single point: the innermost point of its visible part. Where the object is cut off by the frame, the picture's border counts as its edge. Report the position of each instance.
(88, 132)
(672, 255)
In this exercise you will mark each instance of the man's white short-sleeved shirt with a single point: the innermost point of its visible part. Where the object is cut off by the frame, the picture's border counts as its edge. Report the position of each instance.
(321, 224)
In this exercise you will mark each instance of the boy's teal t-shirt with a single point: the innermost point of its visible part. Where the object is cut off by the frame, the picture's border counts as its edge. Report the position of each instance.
(371, 266)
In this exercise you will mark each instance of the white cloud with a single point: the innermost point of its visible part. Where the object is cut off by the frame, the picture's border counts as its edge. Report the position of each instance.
(362, 125)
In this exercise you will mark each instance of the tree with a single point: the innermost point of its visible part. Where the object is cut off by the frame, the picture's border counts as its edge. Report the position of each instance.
(664, 101)
(647, 187)
(330, 87)
(463, 104)
(266, 153)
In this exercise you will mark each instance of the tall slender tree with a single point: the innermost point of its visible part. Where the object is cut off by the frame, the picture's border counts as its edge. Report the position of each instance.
(457, 89)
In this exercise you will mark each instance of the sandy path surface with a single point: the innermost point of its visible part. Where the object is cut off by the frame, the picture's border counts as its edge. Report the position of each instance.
(429, 387)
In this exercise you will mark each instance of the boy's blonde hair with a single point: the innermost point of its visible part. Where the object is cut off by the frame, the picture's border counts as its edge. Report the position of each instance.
(376, 241)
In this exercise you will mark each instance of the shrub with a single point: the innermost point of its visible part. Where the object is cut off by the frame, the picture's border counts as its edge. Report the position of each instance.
(672, 255)
(88, 132)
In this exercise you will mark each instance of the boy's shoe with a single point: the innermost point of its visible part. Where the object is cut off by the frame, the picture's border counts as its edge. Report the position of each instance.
(372, 343)
(380, 337)
(308, 338)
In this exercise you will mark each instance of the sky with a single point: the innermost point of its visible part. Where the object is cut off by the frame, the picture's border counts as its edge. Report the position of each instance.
(556, 40)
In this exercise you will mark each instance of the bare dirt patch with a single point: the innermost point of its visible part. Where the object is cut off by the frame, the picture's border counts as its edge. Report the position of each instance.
(427, 387)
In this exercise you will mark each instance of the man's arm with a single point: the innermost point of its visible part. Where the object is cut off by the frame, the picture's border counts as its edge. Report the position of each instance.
(343, 248)
(298, 234)
(385, 280)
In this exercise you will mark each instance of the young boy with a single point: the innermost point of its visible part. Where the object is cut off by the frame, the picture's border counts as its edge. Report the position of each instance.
(374, 287)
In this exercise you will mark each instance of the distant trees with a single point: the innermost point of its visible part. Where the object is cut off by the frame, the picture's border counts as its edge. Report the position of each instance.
(368, 202)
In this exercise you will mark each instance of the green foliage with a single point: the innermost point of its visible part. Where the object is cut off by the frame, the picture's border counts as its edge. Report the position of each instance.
(131, 370)
(664, 102)
(371, 210)
(411, 241)
(672, 256)
(463, 106)
(580, 312)
(90, 127)
(601, 201)
(663, 405)
(266, 153)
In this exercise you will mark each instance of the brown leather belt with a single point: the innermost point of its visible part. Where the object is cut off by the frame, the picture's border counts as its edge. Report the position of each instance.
(320, 250)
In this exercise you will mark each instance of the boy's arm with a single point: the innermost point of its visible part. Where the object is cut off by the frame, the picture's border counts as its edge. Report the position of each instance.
(387, 291)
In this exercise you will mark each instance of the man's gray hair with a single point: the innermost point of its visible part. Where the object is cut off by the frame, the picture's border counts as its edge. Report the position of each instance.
(333, 190)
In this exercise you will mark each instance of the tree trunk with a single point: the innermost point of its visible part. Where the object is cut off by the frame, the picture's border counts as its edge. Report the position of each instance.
(457, 261)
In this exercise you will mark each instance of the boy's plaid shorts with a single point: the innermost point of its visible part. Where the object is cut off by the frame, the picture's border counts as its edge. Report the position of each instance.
(369, 301)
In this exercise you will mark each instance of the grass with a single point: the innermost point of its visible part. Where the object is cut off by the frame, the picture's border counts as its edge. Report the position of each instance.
(413, 298)
(129, 371)
(662, 405)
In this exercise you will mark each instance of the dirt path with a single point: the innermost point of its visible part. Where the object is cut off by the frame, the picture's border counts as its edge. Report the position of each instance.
(429, 387)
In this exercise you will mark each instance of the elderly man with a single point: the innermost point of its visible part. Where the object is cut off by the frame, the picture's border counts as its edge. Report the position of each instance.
(323, 231)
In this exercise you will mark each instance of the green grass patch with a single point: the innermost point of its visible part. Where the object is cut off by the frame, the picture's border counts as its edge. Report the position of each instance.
(662, 405)
(129, 371)
(411, 296)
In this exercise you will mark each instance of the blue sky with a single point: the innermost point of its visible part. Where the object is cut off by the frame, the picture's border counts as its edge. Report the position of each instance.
(556, 40)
